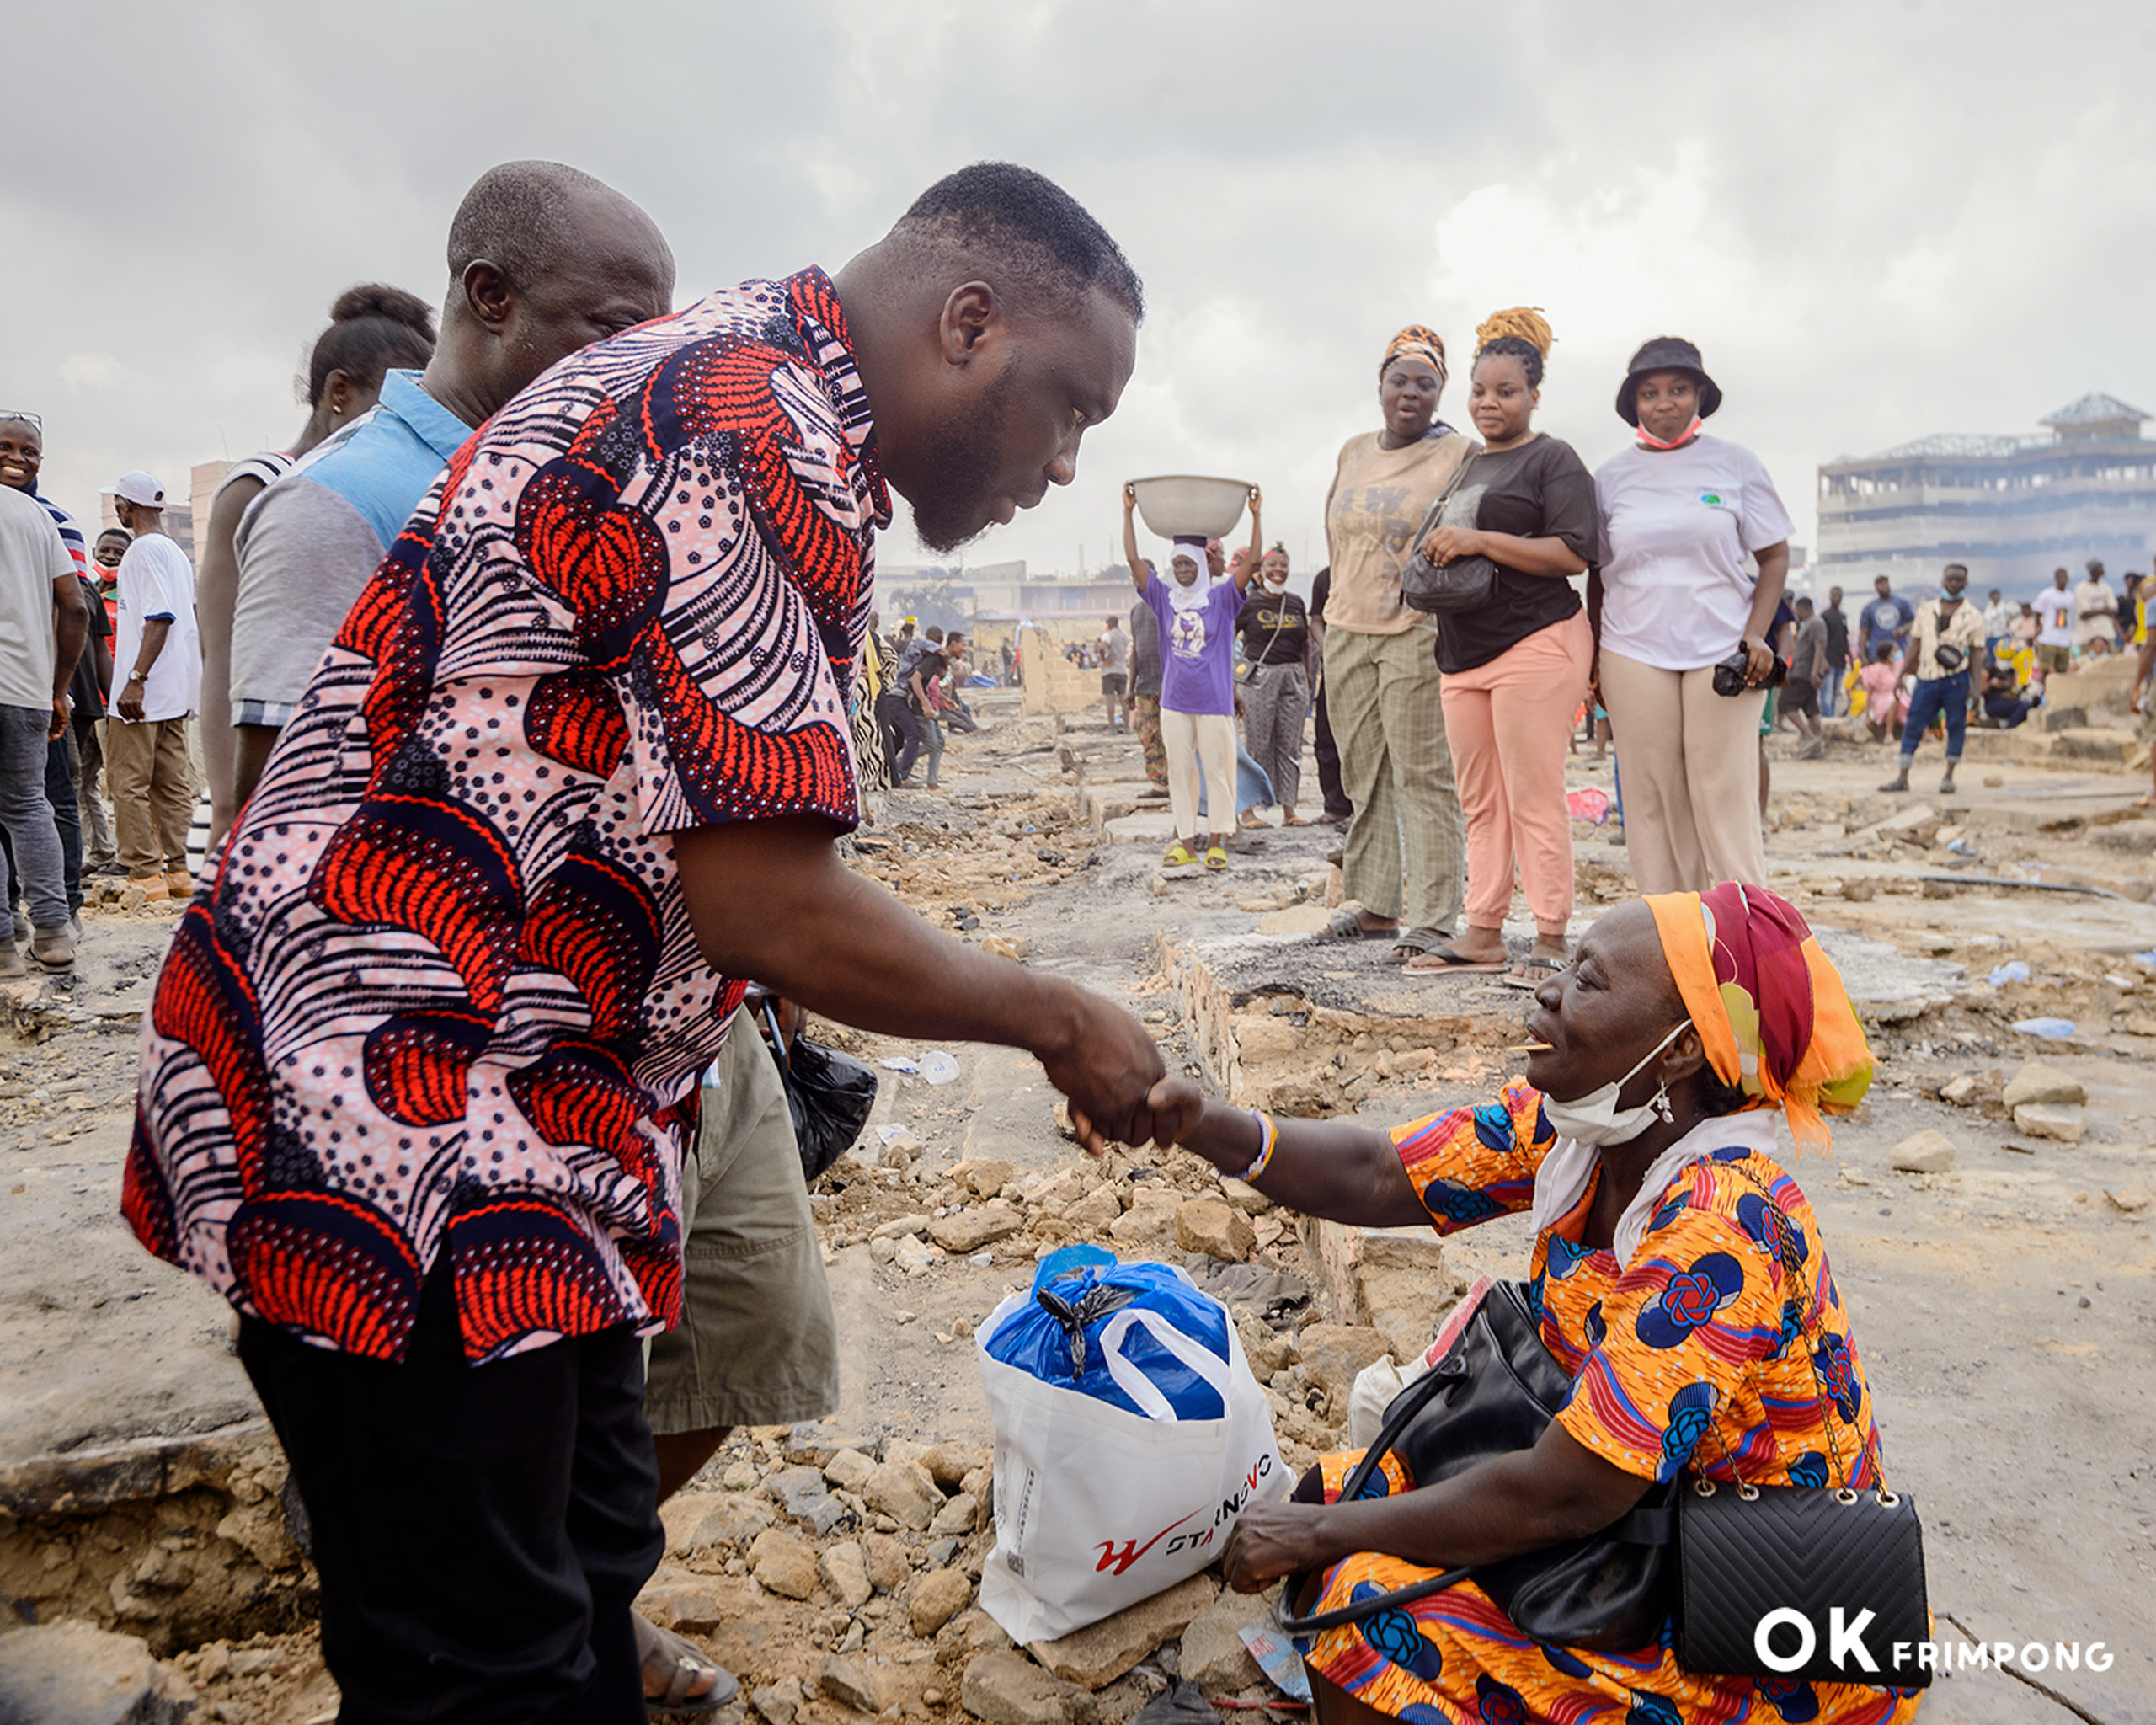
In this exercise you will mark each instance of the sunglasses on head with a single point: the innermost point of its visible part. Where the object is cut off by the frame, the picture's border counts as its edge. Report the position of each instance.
(35, 421)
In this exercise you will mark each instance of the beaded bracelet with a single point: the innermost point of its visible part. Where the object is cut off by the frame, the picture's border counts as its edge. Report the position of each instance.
(1271, 1135)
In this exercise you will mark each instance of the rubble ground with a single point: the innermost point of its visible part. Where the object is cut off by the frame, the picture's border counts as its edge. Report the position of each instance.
(1990, 1232)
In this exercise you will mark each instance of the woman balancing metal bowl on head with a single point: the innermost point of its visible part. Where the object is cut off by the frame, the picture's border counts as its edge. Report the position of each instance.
(1642, 1139)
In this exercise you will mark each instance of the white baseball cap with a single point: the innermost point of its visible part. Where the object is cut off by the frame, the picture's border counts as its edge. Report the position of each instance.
(141, 488)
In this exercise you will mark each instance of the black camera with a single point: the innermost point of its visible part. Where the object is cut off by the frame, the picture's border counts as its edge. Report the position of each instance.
(1729, 675)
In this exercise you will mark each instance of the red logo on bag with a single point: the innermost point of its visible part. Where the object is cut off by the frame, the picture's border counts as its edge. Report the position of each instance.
(1132, 1550)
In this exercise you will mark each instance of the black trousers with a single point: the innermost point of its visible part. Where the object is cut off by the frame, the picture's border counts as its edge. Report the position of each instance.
(1337, 805)
(480, 1531)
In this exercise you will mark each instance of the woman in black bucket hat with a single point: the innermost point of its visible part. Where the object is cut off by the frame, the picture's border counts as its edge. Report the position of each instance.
(1693, 556)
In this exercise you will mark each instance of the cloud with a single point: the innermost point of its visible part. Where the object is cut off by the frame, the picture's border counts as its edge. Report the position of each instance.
(95, 370)
(1878, 221)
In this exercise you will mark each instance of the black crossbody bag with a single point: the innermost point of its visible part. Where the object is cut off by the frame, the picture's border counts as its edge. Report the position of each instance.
(1465, 584)
(1721, 1560)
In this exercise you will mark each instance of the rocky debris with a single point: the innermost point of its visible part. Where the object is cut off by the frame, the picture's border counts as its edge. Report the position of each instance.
(2133, 1198)
(783, 1563)
(849, 1471)
(1268, 1351)
(1214, 1656)
(912, 1254)
(845, 1570)
(938, 1597)
(2036, 1082)
(689, 1605)
(801, 1492)
(912, 1222)
(811, 1444)
(776, 1703)
(73, 1673)
(1397, 1282)
(949, 1465)
(971, 1228)
(959, 1515)
(1333, 1353)
(1215, 1228)
(985, 1178)
(1984, 1090)
(888, 1562)
(1095, 1656)
(2062, 1120)
(1007, 1689)
(1246, 1198)
(1149, 1225)
(850, 1684)
(1096, 1210)
(905, 1492)
(1929, 1152)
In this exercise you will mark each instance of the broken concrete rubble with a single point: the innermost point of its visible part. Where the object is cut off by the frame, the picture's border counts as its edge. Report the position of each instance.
(1095, 1656)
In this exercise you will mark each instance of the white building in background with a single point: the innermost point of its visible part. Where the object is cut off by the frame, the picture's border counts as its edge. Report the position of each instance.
(2013, 509)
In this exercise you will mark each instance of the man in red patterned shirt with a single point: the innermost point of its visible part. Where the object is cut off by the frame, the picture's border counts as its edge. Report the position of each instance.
(421, 1066)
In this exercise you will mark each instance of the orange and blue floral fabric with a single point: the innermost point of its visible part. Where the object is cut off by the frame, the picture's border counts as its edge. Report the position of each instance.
(1698, 1355)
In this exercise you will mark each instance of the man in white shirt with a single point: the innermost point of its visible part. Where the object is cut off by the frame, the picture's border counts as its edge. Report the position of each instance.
(159, 654)
(1999, 617)
(42, 619)
(1115, 674)
(2055, 620)
(2096, 608)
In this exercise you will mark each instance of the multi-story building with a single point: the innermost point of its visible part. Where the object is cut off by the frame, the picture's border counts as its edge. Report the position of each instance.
(2013, 509)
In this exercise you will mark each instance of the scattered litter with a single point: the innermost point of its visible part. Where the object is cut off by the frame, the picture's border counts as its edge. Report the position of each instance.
(2050, 1029)
(938, 1067)
(892, 1135)
(2017, 971)
(898, 1063)
(1961, 847)
(1277, 1659)
(1588, 805)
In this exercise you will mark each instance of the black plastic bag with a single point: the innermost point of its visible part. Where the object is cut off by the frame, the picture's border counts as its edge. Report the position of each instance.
(830, 1096)
(1182, 1702)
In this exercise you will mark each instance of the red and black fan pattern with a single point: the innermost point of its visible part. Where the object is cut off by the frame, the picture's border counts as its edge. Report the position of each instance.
(440, 991)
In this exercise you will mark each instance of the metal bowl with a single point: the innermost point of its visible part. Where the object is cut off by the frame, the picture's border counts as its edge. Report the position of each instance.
(1173, 504)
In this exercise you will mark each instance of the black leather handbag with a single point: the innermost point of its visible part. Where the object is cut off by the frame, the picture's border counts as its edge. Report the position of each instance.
(1809, 1583)
(1465, 584)
(1493, 1393)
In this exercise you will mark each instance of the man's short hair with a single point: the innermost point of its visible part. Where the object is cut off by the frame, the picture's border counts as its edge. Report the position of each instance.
(933, 632)
(1952, 567)
(1024, 220)
(517, 217)
(1804, 603)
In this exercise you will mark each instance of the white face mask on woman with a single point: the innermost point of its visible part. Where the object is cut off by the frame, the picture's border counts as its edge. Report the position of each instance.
(1596, 1118)
(1276, 579)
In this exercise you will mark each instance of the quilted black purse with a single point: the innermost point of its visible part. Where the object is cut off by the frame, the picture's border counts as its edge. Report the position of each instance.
(1493, 1393)
(1787, 1582)
(1465, 584)
(1801, 1582)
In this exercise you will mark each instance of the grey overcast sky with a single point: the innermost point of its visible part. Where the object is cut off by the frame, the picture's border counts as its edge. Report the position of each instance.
(1879, 220)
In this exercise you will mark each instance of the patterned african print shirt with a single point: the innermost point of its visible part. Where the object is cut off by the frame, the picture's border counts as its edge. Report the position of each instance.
(1698, 1353)
(440, 990)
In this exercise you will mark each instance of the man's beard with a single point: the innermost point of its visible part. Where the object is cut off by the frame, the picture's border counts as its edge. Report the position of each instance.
(953, 507)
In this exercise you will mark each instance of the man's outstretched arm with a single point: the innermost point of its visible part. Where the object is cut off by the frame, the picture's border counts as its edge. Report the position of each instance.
(771, 900)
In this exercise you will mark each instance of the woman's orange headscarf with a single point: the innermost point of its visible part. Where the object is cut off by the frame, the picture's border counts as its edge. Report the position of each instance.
(1416, 342)
(1769, 1007)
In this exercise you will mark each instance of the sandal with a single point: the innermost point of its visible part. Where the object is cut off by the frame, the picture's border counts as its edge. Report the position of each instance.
(1346, 925)
(1216, 857)
(1411, 942)
(1251, 817)
(1177, 856)
(1444, 961)
(1294, 820)
(665, 1657)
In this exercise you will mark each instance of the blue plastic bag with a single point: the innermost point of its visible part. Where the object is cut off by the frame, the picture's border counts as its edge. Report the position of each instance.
(1077, 1293)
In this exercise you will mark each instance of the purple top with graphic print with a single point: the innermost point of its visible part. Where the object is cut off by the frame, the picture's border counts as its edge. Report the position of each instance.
(1198, 647)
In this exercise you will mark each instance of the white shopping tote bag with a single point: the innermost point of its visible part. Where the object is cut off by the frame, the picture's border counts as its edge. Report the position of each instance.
(1130, 1434)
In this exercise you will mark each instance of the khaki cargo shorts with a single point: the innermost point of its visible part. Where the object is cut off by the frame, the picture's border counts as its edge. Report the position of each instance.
(757, 1344)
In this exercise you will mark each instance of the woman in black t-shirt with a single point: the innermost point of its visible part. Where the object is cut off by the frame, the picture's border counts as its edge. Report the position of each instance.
(1515, 671)
(1276, 632)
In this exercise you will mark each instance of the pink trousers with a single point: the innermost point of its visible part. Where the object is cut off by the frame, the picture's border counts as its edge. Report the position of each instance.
(1509, 722)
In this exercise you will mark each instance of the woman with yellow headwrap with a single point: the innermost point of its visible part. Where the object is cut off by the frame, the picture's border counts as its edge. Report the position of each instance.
(1643, 1140)
(1403, 855)
(1516, 666)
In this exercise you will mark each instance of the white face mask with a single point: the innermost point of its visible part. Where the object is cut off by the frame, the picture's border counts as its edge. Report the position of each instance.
(1596, 1118)
(1276, 579)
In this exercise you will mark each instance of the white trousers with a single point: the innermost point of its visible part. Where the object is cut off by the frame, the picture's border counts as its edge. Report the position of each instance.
(1196, 741)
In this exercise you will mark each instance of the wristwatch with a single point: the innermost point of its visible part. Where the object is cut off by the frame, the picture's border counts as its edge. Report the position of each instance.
(138, 676)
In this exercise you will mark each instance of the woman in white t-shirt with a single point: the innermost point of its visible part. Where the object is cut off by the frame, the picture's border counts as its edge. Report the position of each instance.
(1681, 514)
